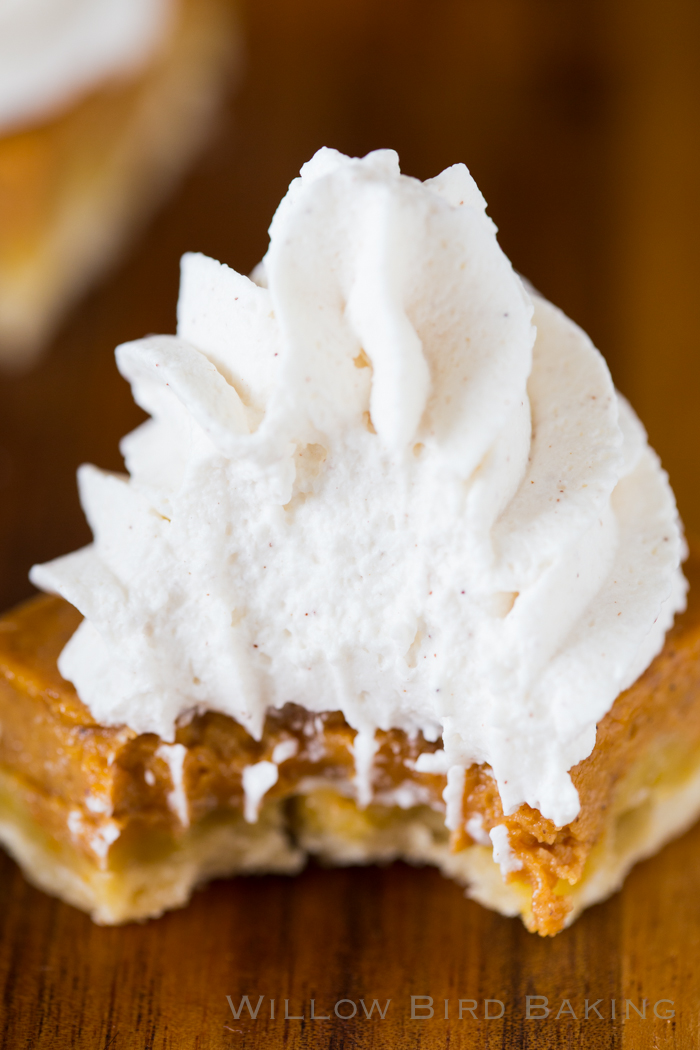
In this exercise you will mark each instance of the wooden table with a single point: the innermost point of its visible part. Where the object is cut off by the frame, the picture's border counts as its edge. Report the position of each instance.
(579, 123)
(352, 935)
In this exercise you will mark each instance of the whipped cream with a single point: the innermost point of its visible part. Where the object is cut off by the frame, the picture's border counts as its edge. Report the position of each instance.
(52, 51)
(384, 478)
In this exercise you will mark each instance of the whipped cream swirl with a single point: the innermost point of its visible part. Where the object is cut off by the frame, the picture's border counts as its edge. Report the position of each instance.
(52, 51)
(385, 478)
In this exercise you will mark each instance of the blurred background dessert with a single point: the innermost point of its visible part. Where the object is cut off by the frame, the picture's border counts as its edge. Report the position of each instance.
(102, 103)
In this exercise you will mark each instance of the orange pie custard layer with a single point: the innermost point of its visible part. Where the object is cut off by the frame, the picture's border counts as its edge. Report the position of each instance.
(125, 826)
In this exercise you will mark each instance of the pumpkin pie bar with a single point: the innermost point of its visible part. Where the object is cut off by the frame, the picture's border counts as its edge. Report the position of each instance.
(77, 176)
(393, 574)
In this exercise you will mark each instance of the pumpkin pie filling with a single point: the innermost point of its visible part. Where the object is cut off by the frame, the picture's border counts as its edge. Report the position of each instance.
(125, 825)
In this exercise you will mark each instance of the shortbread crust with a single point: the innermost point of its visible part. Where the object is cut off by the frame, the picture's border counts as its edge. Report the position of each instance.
(125, 826)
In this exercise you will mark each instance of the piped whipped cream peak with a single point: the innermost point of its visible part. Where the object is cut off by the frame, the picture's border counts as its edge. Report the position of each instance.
(383, 477)
(52, 51)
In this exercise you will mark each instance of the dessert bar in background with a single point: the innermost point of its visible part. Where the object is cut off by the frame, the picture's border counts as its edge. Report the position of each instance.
(102, 105)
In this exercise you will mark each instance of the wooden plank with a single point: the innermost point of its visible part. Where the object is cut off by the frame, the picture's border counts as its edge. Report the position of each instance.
(655, 268)
(350, 935)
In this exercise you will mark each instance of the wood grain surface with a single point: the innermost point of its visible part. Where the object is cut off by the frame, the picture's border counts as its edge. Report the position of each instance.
(354, 934)
(579, 122)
